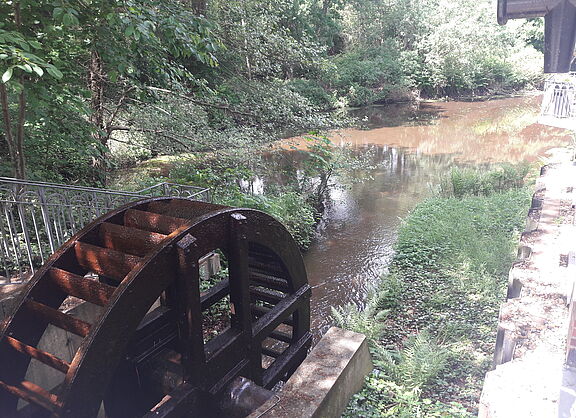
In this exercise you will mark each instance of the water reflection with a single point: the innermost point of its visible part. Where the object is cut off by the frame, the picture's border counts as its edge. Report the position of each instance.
(411, 147)
(477, 132)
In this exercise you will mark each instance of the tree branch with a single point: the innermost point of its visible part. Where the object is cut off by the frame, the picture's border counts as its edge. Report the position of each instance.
(156, 132)
(201, 103)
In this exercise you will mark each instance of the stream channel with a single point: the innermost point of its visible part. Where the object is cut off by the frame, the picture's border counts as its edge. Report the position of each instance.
(412, 146)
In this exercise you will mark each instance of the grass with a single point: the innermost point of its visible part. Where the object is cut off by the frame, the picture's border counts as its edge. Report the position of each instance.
(432, 323)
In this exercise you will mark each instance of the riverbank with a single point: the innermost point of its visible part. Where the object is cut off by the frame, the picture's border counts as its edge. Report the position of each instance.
(531, 378)
(432, 321)
(406, 149)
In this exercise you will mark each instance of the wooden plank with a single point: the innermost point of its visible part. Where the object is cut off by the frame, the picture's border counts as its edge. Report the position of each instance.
(33, 393)
(128, 240)
(259, 311)
(57, 318)
(185, 209)
(268, 268)
(181, 401)
(270, 352)
(217, 292)
(238, 274)
(189, 307)
(153, 222)
(265, 295)
(86, 289)
(105, 262)
(267, 280)
(281, 336)
(42, 356)
(287, 361)
(270, 321)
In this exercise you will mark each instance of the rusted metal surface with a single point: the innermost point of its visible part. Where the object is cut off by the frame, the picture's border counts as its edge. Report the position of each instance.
(149, 251)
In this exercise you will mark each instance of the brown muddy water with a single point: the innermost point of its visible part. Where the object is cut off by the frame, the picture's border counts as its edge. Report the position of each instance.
(412, 145)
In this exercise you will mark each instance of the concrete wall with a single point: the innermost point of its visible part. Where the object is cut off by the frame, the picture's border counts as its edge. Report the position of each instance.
(324, 383)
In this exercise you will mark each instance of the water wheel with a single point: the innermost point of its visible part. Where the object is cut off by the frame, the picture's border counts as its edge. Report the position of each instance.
(140, 265)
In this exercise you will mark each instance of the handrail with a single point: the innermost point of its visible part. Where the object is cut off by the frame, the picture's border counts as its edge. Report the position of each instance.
(559, 102)
(99, 190)
(37, 217)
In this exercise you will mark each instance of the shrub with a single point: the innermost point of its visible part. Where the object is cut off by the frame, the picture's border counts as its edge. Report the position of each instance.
(462, 182)
(313, 91)
(290, 208)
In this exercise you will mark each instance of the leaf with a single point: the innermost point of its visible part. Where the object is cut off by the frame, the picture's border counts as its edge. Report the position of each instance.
(54, 72)
(68, 19)
(35, 44)
(25, 67)
(57, 12)
(7, 75)
(38, 70)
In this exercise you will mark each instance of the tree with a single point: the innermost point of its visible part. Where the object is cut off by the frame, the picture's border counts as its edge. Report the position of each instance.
(115, 45)
(21, 64)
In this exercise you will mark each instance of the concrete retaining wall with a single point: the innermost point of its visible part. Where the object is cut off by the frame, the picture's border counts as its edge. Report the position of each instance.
(324, 383)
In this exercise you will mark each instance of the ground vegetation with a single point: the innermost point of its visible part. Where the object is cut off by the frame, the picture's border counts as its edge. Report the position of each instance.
(432, 321)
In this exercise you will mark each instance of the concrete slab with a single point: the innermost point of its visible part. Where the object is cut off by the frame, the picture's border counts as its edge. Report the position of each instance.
(325, 381)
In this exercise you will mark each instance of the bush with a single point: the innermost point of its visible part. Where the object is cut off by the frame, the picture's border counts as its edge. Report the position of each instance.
(313, 91)
(368, 76)
(290, 208)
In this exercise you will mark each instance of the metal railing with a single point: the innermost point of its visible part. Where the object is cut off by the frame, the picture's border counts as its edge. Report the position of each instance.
(36, 218)
(559, 101)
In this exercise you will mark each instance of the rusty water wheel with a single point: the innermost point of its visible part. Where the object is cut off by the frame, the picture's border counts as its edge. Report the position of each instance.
(145, 252)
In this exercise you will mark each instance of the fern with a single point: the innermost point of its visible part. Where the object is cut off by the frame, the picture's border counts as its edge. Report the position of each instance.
(416, 365)
(352, 318)
(422, 360)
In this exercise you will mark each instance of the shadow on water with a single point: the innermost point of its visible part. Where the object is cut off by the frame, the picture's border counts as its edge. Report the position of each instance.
(399, 114)
(411, 146)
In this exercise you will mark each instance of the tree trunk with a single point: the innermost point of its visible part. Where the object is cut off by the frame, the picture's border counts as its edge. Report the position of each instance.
(15, 143)
(325, 7)
(246, 48)
(199, 6)
(20, 157)
(96, 86)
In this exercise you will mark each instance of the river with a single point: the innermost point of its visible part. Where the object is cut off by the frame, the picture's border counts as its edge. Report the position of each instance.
(412, 145)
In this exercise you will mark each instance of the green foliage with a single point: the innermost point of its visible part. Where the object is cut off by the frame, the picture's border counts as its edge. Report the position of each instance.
(367, 76)
(355, 319)
(419, 362)
(154, 76)
(16, 55)
(228, 175)
(439, 47)
(290, 208)
(381, 397)
(474, 182)
(447, 278)
(313, 91)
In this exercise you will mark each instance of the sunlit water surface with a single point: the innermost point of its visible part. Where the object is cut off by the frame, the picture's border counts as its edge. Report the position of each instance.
(411, 145)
